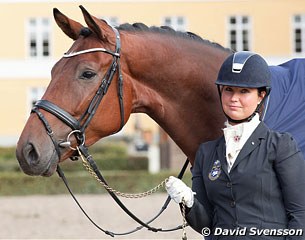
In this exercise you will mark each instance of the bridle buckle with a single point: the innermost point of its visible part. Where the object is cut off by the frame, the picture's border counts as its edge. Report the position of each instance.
(80, 137)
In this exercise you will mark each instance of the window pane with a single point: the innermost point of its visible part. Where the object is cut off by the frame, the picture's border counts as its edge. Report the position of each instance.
(298, 32)
(298, 40)
(233, 35)
(245, 36)
(244, 20)
(239, 33)
(180, 20)
(297, 18)
(232, 20)
(39, 37)
(45, 22)
(175, 22)
(45, 48)
(32, 22)
(33, 48)
(167, 21)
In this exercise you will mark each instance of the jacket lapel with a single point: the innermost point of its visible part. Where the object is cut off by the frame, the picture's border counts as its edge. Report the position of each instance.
(252, 143)
(221, 153)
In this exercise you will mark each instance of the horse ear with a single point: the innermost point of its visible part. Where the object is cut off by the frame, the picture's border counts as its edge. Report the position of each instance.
(98, 26)
(70, 27)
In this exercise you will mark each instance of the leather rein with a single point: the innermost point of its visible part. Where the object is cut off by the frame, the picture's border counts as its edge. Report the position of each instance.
(79, 126)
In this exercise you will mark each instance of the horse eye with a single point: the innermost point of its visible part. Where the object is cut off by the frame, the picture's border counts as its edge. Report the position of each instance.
(88, 75)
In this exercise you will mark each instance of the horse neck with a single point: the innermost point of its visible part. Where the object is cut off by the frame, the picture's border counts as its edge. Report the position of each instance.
(173, 83)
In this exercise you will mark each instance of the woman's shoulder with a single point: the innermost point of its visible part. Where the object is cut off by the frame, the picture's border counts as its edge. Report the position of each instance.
(283, 143)
(203, 155)
(280, 137)
(209, 145)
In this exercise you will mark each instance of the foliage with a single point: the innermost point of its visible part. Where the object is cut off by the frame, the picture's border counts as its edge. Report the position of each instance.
(122, 172)
(8, 162)
(17, 183)
(108, 156)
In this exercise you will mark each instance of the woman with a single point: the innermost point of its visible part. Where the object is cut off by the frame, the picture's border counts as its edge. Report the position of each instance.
(249, 183)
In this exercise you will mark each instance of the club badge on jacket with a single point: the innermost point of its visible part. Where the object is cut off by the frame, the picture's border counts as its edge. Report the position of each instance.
(215, 171)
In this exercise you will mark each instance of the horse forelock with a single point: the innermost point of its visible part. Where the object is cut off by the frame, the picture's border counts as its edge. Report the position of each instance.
(166, 30)
(85, 32)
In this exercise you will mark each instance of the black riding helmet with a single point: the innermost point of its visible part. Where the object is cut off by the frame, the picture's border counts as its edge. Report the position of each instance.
(248, 70)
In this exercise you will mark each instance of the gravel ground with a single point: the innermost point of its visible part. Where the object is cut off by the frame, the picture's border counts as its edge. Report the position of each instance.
(58, 217)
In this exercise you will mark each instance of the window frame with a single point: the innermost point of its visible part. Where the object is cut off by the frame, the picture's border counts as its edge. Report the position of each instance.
(174, 22)
(239, 27)
(298, 25)
(40, 31)
(35, 93)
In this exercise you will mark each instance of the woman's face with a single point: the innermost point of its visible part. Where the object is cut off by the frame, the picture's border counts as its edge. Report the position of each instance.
(239, 103)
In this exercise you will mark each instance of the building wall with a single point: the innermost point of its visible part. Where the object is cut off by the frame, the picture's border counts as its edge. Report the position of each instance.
(271, 30)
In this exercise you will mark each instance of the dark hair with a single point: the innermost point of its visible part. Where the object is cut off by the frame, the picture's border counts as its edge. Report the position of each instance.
(261, 89)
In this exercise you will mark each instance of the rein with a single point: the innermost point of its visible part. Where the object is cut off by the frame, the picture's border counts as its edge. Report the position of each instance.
(112, 193)
(79, 126)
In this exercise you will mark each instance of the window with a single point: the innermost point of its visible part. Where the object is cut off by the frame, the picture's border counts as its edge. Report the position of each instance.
(239, 33)
(178, 23)
(39, 33)
(112, 21)
(299, 34)
(35, 93)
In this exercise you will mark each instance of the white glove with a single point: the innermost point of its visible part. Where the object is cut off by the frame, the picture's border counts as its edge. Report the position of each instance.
(178, 190)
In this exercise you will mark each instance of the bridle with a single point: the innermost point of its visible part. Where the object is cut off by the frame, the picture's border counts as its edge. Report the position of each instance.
(79, 126)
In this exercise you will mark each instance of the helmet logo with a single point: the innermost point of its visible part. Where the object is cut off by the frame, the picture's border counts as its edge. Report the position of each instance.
(239, 60)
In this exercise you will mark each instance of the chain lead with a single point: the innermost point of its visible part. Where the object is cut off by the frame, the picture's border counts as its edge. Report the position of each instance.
(184, 237)
(125, 195)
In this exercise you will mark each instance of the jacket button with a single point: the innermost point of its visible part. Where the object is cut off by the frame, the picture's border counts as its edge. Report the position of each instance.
(229, 184)
(233, 204)
(235, 224)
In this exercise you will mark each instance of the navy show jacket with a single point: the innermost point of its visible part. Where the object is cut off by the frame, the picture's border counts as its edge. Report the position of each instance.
(265, 188)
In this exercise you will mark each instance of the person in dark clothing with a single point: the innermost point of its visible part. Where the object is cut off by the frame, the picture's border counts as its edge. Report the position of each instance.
(249, 183)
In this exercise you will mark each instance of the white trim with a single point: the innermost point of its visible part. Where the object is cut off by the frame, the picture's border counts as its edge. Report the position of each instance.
(20, 69)
(8, 140)
(272, 60)
(112, 1)
(72, 54)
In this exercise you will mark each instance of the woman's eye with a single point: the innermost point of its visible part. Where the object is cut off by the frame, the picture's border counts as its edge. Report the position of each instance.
(88, 75)
(244, 91)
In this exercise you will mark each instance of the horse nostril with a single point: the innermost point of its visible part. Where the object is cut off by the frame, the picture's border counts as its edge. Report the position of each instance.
(31, 155)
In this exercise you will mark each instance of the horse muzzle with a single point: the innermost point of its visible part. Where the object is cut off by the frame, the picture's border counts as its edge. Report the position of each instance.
(36, 160)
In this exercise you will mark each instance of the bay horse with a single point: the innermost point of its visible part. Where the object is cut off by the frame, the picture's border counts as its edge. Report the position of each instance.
(166, 74)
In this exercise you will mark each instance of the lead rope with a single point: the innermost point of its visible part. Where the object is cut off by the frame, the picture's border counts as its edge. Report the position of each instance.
(134, 195)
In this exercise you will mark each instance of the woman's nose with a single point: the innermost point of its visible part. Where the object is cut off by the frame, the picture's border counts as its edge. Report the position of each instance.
(234, 97)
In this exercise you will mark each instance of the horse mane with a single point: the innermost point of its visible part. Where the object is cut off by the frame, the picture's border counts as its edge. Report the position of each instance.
(141, 27)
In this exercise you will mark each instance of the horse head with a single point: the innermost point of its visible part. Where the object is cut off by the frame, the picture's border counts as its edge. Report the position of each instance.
(71, 111)
(168, 75)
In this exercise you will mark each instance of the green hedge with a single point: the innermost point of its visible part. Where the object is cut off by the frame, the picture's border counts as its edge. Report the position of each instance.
(82, 182)
(122, 172)
(8, 161)
(108, 156)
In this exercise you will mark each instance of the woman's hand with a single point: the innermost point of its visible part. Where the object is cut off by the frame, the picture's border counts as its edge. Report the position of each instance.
(178, 190)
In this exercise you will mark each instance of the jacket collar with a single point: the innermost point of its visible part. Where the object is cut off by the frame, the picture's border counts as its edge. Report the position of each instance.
(253, 142)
